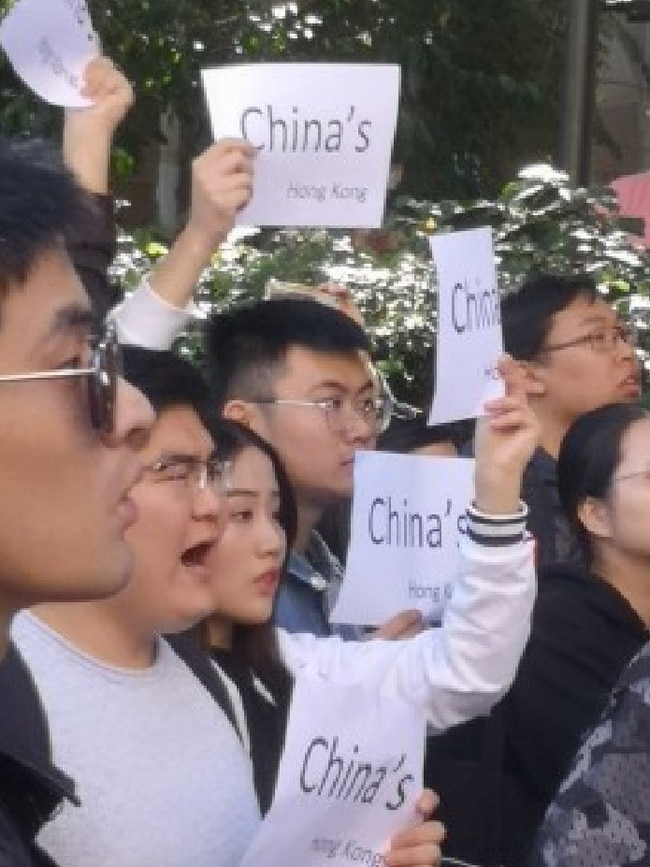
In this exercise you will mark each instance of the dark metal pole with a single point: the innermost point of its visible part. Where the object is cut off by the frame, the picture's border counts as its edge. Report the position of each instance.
(579, 89)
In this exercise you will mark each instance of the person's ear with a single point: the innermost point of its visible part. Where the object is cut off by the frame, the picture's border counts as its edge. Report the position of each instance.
(534, 381)
(240, 411)
(594, 517)
(249, 414)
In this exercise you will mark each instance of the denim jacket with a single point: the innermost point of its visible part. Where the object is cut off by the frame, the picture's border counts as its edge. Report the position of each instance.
(309, 591)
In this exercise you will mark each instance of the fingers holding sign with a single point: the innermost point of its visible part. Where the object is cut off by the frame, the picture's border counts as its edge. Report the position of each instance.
(222, 184)
(419, 846)
(506, 438)
(406, 624)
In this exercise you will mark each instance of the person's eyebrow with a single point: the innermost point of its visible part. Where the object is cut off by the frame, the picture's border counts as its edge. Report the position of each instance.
(328, 383)
(70, 318)
(178, 457)
(597, 319)
(242, 492)
(368, 384)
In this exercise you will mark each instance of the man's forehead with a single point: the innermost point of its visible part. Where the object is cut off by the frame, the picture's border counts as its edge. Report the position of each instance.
(178, 429)
(585, 310)
(350, 368)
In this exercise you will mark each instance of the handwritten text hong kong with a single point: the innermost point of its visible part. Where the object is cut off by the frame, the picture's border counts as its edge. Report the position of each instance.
(403, 528)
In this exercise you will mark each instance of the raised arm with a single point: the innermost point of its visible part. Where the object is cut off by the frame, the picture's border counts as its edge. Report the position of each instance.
(88, 132)
(505, 440)
(87, 140)
(462, 669)
(222, 179)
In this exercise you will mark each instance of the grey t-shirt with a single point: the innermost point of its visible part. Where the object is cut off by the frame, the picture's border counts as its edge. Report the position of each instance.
(163, 779)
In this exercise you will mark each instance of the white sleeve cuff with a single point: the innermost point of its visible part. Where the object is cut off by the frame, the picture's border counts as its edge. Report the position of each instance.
(146, 319)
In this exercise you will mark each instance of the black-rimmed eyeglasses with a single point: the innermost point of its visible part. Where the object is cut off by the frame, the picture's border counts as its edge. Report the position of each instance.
(102, 374)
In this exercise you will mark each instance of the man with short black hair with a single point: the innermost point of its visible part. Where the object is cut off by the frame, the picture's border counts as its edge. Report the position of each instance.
(577, 355)
(68, 460)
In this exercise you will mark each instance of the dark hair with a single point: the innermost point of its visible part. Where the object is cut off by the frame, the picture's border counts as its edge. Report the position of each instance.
(255, 645)
(404, 435)
(246, 345)
(166, 379)
(589, 455)
(39, 201)
(527, 313)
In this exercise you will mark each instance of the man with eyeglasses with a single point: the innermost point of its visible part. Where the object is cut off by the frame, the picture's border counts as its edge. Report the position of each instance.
(161, 774)
(69, 458)
(577, 356)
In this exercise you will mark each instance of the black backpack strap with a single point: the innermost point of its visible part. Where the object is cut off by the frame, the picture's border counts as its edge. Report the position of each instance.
(198, 661)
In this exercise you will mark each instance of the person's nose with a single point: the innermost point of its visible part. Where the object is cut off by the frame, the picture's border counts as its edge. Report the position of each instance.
(626, 349)
(208, 504)
(134, 417)
(361, 428)
(272, 540)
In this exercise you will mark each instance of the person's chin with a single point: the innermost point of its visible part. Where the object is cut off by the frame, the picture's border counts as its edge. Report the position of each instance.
(103, 577)
(336, 493)
(117, 577)
(183, 621)
(345, 478)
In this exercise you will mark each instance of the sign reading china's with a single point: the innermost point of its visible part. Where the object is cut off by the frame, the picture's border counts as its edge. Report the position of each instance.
(408, 513)
(49, 43)
(469, 340)
(323, 133)
(349, 778)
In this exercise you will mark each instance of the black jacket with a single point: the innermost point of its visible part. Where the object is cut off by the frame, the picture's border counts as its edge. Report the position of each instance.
(266, 719)
(31, 787)
(583, 635)
(555, 539)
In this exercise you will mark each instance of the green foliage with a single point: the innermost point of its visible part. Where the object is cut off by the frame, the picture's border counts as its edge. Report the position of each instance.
(480, 80)
(540, 224)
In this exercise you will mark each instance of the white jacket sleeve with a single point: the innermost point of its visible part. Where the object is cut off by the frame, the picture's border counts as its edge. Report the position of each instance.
(146, 319)
(463, 668)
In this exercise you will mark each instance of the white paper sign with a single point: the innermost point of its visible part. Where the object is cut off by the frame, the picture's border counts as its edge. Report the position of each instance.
(324, 134)
(469, 325)
(350, 776)
(49, 43)
(407, 512)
